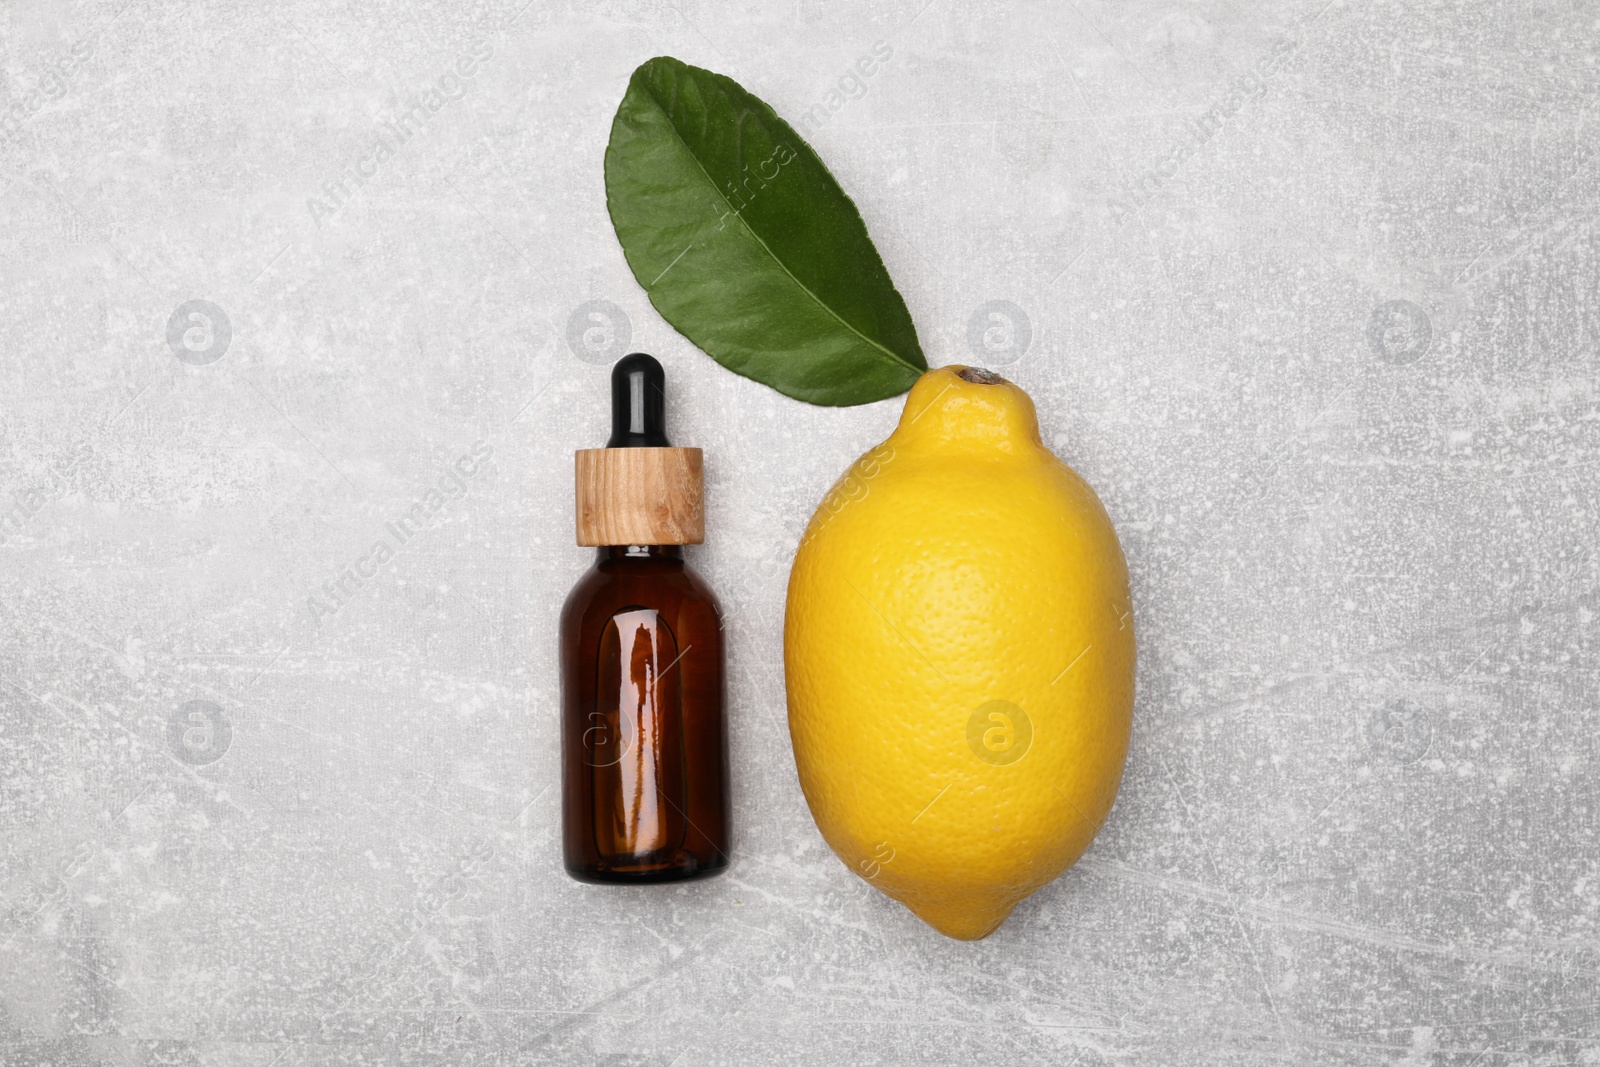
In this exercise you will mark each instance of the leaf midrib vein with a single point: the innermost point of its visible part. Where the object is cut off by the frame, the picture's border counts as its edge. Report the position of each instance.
(896, 357)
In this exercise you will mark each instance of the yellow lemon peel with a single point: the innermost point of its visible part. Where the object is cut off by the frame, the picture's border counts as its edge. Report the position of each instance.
(959, 652)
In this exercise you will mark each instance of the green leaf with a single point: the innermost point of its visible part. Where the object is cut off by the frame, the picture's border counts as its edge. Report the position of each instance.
(748, 246)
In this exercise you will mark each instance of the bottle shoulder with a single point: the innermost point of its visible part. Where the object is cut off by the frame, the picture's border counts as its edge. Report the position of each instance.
(608, 586)
(701, 587)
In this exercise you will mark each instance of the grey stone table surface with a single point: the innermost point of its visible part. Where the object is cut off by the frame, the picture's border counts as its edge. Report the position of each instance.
(1307, 290)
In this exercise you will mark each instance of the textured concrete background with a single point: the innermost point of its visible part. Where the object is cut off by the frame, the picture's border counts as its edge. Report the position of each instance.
(1309, 293)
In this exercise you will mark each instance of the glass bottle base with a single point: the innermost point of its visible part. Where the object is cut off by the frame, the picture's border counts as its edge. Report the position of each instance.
(648, 874)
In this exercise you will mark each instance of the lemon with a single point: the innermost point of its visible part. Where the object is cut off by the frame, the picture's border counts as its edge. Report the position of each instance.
(959, 652)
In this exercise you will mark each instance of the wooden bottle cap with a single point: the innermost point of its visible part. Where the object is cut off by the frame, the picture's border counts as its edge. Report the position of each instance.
(640, 496)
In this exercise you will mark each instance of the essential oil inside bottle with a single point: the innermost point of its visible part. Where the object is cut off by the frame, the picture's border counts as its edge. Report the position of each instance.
(643, 739)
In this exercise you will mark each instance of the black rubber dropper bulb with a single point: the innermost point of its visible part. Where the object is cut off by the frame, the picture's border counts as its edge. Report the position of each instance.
(638, 403)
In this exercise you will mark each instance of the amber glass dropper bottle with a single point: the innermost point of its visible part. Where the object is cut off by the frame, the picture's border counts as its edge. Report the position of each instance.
(643, 743)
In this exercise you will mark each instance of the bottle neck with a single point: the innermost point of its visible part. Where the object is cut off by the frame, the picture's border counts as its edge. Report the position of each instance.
(617, 553)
